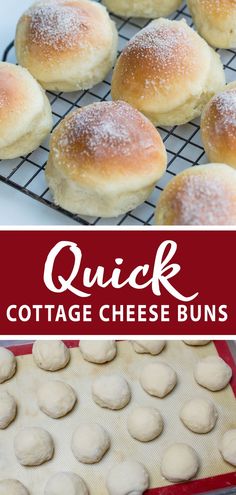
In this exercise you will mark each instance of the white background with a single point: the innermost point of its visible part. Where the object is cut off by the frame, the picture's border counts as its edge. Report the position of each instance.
(15, 207)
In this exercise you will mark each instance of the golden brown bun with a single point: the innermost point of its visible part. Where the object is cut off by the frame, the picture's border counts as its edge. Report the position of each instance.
(168, 72)
(67, 45)
(105, 160)
(202, 195)
(215, 21)
(218, 127)
(142, 8)
(25, 112)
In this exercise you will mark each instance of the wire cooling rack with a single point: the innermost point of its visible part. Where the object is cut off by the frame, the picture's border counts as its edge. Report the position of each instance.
(183, 143)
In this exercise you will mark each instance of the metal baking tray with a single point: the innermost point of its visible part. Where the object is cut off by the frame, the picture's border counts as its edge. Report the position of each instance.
(216, 483)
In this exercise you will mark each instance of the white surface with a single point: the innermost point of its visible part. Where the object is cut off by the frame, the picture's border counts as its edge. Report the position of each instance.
(15, 207)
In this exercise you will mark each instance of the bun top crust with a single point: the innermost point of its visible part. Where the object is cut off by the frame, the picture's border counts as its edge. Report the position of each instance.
(108, 144)
(52, 31)
(218, 124)
(216, 9)
(164, 64)
(201, 195)
(21, 100)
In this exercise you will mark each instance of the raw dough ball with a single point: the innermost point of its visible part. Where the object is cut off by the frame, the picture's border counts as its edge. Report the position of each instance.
(153, 347)
(33, 446)
(196, 342)
(158, 379)
(56, 399)
(213, 373)
(179, 463)
(228, 447)
(98, 351)
(145, 423)
(199, 415)
(66, 483)
(12, 487)
(7, 409)
(7, 364)
(50, 355)
(89, 443)
(127, 478)
(111, 391)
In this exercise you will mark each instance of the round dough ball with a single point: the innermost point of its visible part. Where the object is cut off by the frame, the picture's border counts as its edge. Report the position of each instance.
(111, 391)
(104, 160)
(7, 364)
(168, 72)
(98, 351)
(33, 446)
(179, 463)
(158, 379)
(145, 423)
(127, 478)
(153, 347)
(66, 483)
(56, 399)
(218, 127)
(25, 112)
(202, 195)
(199, 415)
(151, 9)
(213, 373)
(89, 443)
(66, 45)
(228, 447)
(12, 487)
(196, 342)
(7, 409)
(215, 21)
(51, 355)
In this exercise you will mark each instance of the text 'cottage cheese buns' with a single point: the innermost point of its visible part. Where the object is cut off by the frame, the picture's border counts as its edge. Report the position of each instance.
(25, 112)
(215, 21)
(150, 9)
(105, 160)
(218, 127)
(202, 195)
(68, 45)
(168, 72)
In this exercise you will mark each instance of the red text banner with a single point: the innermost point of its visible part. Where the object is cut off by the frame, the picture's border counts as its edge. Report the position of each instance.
(118, 282)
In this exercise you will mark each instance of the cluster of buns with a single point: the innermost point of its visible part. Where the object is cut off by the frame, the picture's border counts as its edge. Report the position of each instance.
(106, 158)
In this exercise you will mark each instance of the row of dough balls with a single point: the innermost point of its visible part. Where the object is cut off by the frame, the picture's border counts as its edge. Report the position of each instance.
(180, 462)
(215, 20)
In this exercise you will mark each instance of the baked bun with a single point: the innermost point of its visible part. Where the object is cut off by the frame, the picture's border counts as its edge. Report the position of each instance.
(202, 195)
(168, 72)
(215, 21)
(67, 45)
(105, 160)
(142, 8)
(218, 127)
(25, 112)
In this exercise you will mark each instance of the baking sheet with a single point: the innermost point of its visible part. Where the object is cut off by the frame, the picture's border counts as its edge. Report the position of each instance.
(80, 375)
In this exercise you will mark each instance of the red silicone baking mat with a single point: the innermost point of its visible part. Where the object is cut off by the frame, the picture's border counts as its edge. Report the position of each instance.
(209, 484)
